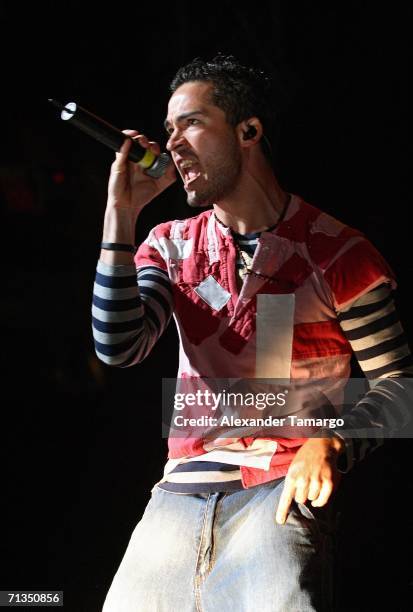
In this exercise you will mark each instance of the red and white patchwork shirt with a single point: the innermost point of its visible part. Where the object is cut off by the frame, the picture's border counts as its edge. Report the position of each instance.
(287, 328)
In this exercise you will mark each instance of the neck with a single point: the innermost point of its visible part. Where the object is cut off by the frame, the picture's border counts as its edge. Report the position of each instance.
(255, 204)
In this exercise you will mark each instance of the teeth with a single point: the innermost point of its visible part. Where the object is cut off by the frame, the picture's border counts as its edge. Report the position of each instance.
(187, 163)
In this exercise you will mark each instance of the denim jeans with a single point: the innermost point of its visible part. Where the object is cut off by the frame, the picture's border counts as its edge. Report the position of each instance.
(224, 551)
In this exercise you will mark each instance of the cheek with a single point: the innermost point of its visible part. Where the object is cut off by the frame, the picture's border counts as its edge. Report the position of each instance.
(212, 153)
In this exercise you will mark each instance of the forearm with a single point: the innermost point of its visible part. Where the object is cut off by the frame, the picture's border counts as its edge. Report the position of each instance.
(129, 312)
(376, 336)
(118, 227)
(117, 313)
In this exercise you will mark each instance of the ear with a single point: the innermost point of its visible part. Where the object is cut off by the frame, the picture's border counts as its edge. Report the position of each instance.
(249, 132)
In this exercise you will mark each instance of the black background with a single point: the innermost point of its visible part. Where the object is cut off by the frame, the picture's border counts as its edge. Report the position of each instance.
(81, 442)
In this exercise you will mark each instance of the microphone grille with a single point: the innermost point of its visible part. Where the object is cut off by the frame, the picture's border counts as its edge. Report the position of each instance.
(159, 167)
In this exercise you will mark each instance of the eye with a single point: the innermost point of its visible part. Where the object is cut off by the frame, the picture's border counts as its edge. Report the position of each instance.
(192, 121)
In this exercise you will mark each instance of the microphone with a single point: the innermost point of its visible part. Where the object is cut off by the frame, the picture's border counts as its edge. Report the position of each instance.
(153, 165)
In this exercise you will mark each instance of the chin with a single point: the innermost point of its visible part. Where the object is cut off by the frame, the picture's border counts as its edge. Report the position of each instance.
(195, 200)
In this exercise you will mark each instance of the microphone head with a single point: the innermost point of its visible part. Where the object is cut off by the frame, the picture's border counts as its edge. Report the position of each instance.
(159, 167)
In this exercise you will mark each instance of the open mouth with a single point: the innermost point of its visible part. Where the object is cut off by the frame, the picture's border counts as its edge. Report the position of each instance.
(190, 171)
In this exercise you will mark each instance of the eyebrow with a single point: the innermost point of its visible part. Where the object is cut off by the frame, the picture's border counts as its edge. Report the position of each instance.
(183, 116)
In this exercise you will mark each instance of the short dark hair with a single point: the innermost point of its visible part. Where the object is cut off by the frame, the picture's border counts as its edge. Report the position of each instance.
(240, 91)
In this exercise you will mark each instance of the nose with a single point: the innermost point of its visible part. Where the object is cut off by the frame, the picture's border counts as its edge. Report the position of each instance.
(175, 139)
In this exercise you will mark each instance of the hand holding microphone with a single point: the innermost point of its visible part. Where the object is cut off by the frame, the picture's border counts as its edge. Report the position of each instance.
(129, 186)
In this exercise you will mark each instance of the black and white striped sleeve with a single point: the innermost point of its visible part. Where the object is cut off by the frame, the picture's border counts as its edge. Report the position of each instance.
(376, 336)
(131, 309)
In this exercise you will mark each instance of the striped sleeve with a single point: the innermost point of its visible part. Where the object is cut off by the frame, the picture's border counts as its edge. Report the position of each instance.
(131, 309)
(372, 327)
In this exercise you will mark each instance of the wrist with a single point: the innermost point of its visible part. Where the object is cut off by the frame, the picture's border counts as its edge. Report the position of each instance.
(341, 446)
(336, 442)
(119, 246)
(119, 226)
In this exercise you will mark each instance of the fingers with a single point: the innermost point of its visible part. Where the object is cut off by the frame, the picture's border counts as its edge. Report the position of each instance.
(312, 476)
(324, 495)
(318, 492)
(148, 144)
(301, 491)
(122, 156)
(284, 505)
(143, 141)
(314, 489)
